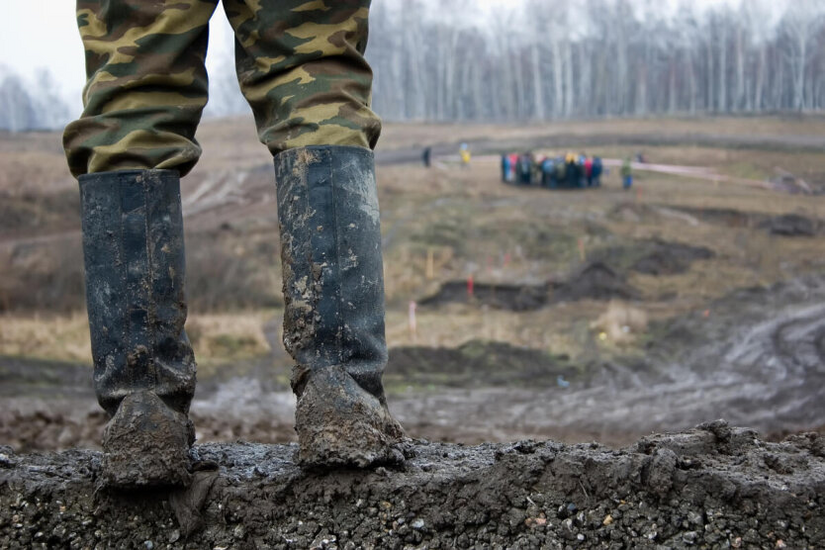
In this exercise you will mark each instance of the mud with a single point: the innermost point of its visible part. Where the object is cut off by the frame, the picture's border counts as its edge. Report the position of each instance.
(755, 358)
(792, 225)
(146, 444)
(340, 423)
(476, 364)
(671, 258)
(714, 486)
(786, 225)
(652, 257)
(499, 296)
(595, 281)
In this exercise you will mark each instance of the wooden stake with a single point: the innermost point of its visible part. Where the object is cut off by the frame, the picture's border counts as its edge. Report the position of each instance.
(413, 323)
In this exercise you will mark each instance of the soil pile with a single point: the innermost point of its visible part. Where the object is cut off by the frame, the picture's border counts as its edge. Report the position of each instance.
(652, 257)
(498, 296)
(670, 258)
(595, 281)
(713, 486)
(792, 225)
(476, 364)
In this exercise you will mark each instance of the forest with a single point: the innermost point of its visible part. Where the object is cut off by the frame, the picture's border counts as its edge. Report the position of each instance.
(463, 60)
(551, 59)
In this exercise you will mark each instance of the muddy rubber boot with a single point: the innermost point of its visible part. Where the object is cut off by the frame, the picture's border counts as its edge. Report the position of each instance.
(334, 294)
(144, 368)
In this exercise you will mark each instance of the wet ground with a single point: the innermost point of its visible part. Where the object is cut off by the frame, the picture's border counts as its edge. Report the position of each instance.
(756, 359)
(712, 487)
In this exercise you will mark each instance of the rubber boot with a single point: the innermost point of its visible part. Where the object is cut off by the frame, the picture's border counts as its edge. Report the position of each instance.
(144, 368)
(334, 294)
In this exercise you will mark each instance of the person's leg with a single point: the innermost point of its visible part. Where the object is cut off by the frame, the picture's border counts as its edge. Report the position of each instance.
(146, 88)
(143, 100)
(301, 67)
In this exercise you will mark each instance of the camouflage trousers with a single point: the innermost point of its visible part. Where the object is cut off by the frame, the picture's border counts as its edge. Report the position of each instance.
(300, 65)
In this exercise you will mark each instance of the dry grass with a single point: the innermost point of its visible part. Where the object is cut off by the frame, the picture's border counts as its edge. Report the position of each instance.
(64, 338)
(216, 338)
(220, 339)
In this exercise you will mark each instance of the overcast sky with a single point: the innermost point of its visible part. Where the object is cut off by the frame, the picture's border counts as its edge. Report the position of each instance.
(56, 43)
(36, 34)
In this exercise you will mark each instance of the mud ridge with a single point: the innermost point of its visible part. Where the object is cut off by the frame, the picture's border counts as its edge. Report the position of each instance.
(595, 280)
(714, 486)
(499, 296)
(476, 364)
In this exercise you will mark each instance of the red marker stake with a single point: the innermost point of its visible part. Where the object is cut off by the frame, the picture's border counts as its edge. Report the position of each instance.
(470, 286)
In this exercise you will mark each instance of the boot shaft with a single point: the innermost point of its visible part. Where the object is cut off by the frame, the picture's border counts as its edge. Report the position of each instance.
(331, 255)
(135, 269)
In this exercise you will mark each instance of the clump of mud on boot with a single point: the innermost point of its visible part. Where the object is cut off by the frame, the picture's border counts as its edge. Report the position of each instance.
(341, 424)
(146, 444)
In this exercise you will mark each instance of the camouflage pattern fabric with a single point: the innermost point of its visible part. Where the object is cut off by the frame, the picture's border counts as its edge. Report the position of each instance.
(300, 65)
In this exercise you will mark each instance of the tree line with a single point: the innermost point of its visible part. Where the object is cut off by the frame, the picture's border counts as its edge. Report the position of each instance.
(549, 59)
(465, 60)
(25, 106)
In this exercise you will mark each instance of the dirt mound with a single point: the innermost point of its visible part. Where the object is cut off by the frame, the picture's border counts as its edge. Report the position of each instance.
(786, 225)
(595, 281)
(714, 486)
(652, 257)
(499, 296)
(670, 258)
(476, 364)
(791, 225)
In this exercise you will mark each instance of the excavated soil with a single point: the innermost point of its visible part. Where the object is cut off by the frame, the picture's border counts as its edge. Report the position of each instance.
(712, 487)
(595, 281)
(652, 257)
(499, 296)
(792, 225)
(785, 225)
(476, 364)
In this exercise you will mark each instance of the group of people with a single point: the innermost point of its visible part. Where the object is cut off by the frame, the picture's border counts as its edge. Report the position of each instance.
(570, 171)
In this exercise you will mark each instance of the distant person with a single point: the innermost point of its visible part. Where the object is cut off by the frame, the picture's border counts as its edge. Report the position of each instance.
(513, 167)
(525, 169)
(505, 168)
(588, 171)
(598, 168)
(572, 170)
(426, 156)
(466, 156)
(640, 157)
(580, 160)
(627, 174)
(304, 73)
(561, 172)
(548, 173)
